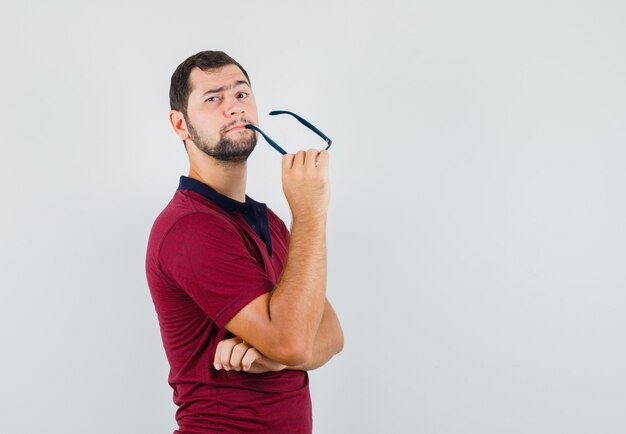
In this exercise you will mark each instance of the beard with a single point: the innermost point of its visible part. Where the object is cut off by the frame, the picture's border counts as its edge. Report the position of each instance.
(230, 149)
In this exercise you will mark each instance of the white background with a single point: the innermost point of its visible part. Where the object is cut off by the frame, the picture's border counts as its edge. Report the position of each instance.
(476, 232)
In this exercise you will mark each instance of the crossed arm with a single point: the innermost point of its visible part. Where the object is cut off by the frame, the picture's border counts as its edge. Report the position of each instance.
(293, 326)
(236, 354)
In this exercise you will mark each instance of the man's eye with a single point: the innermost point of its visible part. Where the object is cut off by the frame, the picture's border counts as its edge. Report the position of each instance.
(243, 94)
(212, 98)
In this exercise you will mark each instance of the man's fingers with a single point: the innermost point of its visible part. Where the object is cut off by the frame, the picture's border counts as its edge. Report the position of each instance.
(237, 355)
(323, 158)
(311, 157)
(226, 350)
(288, 161)
(249, 358)
(299, 159)
(216, 359)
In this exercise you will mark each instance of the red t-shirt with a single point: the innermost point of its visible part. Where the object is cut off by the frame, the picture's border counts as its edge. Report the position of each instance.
(203, 265)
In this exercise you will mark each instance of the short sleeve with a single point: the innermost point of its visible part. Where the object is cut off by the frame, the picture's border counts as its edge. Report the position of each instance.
(207, 258)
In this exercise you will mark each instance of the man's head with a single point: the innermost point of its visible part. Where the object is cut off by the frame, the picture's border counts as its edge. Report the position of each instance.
(211, 100)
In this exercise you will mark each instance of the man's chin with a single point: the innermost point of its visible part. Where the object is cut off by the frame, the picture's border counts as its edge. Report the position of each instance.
(240, 156)
(234, 158)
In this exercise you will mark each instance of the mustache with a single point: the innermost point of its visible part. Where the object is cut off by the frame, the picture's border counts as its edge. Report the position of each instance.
(235, 122)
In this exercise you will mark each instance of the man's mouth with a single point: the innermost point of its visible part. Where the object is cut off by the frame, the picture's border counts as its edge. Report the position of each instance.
(237, 127)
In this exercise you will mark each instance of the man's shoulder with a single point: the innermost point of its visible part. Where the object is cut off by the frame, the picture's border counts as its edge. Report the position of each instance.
(189, 208)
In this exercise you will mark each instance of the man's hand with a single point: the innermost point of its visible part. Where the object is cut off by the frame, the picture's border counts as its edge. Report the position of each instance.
(235, 354)
(306, 184)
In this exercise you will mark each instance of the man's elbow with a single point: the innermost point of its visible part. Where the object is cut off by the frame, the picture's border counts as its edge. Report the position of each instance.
(339, 342)
(293, 355)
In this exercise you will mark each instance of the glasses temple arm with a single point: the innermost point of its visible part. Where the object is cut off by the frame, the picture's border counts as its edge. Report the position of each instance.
(266, 137)
(305, 123)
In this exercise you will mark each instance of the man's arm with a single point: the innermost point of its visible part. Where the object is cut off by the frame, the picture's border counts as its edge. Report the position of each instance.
(236, 354)
(283, 324)
(328, 341)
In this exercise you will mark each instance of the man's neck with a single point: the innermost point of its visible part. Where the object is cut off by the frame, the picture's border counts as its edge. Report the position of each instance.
(227, 178)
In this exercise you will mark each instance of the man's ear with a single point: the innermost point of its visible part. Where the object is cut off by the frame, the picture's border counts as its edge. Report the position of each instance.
(177, 120)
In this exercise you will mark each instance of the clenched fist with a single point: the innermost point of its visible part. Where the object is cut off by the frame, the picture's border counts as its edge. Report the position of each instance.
(235, 354)
(306, 185)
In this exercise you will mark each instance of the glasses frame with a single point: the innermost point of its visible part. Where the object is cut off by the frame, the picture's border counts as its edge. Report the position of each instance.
(300, 119)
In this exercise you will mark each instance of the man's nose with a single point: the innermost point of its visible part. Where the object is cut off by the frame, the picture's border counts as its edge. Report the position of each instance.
(236, 107)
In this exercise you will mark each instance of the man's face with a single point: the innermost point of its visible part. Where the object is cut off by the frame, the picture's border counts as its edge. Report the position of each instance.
(221, 102)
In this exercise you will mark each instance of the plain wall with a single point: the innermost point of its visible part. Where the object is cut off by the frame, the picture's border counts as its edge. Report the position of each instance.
(476, 235)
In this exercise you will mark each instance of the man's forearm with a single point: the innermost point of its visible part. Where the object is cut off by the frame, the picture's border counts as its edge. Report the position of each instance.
(328, 341)
(297, 303)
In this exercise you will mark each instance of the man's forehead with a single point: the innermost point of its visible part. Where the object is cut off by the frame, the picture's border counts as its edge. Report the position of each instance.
(201, 80)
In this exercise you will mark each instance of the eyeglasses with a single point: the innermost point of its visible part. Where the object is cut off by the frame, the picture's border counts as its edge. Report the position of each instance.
(302, 121)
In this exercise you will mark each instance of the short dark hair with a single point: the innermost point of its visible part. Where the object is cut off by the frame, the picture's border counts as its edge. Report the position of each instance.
(206, 61)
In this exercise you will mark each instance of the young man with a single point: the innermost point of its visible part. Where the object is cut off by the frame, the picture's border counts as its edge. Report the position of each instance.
(241, 301)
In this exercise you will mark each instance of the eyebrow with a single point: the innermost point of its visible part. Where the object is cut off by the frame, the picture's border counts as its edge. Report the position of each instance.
(223, 88)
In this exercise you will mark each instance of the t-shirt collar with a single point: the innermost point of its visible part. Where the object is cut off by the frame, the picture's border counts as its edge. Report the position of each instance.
(226, 203)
